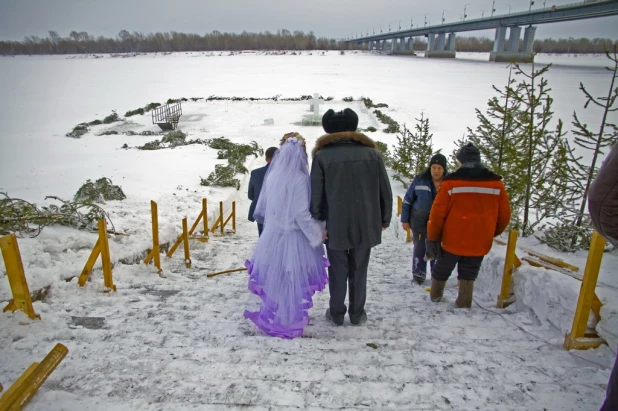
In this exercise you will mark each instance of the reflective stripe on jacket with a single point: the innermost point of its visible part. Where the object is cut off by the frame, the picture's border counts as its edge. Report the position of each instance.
(417, 202)
(471, 208)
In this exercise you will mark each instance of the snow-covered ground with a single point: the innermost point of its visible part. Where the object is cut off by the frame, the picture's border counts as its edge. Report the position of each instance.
(180, 342)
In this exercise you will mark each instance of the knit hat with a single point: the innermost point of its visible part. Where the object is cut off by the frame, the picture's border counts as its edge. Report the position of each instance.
(469, 154)
(346, 120)
(438, 159)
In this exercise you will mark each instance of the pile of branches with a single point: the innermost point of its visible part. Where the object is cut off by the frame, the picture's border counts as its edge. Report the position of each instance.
(27, 220)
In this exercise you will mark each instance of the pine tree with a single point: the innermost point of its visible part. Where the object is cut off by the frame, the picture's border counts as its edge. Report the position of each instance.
(596, 142)
(454, 163)
(574, 229)
(539, 142)
(497, 139)
(412, 153)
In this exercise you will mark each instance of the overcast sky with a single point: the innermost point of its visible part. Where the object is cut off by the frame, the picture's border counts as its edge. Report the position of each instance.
(328, 18)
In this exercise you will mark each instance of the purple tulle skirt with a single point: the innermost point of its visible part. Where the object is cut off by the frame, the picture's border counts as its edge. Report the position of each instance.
(284, 273)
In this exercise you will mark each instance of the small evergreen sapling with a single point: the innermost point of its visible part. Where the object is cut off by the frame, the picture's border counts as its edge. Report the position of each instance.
(413, 151)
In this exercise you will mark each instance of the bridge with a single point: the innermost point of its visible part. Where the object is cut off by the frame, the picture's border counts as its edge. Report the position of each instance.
(511, 50)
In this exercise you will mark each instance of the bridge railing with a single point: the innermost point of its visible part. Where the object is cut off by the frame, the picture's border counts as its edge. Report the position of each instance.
(520, 13)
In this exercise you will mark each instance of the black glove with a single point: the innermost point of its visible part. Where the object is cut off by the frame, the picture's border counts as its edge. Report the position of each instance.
(433, 250)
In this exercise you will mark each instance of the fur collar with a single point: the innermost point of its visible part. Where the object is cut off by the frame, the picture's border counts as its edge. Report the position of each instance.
(473, 174)
(335, 138)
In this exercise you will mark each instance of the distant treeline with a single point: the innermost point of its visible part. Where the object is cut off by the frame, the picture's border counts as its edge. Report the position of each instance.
(126, 42)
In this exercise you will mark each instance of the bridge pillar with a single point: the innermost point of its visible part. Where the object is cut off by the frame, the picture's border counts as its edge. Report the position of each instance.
(512, 54)
(514, 35)
(411, 44)
(439, 51)
(384, 45)
(393, 45)
(404, 46)
(431, 41)
(529, 34)
(450, 44)
(499, 40)
(441, 41)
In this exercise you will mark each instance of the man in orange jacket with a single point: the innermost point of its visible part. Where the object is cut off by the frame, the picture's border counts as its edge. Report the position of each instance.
(471, 208)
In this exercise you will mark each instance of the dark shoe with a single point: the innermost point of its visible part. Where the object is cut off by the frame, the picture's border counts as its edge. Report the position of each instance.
(418, 278)
(362, 320)
(464, 298)
(334, 320)
(437, 290)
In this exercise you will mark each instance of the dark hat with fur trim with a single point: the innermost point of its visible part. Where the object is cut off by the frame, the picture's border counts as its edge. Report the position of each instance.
(469, 154)
(346, 120)
(438, 159)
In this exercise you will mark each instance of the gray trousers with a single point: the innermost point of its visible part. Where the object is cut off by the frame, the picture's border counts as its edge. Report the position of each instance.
(348, 269)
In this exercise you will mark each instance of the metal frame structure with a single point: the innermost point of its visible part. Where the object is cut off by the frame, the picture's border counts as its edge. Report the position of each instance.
(167, 115)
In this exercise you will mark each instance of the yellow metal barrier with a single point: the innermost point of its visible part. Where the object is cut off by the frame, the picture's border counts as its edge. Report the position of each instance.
(17, 277)
(578, 339)
(101, 247)
(185, 240)
(505, 297)
(203, 238)
(218, 224)
(155, 239)
(24, 388)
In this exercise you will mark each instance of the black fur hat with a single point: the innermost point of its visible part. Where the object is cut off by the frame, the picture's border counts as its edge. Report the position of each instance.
(346, 120)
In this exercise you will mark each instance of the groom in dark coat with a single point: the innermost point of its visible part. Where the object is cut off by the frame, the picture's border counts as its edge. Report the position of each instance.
(351, 192)
(255, 185)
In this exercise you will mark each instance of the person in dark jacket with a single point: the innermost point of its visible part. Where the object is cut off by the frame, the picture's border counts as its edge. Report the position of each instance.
(351, 192)
(471, 208)
(415, 211)
(255, 185)
(603, 207)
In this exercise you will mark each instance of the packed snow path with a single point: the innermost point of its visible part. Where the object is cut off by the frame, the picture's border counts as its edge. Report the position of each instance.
(181, 342)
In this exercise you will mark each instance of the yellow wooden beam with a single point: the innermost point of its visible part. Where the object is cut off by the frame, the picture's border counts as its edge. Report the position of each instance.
(22, 391)
(582, 343)
(94, 254)
(507, 274)
(154, 253)
(399, 206)
(108, 281)
(216, 225)
(205, 215)
(551, 260)
(221, 216)
(17, 277)
(234, 216)
(4, 405)
(185, 237)
(226, 272)
(586, 293)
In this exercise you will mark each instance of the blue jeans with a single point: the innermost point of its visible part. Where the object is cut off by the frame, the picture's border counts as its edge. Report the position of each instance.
(419, 265)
